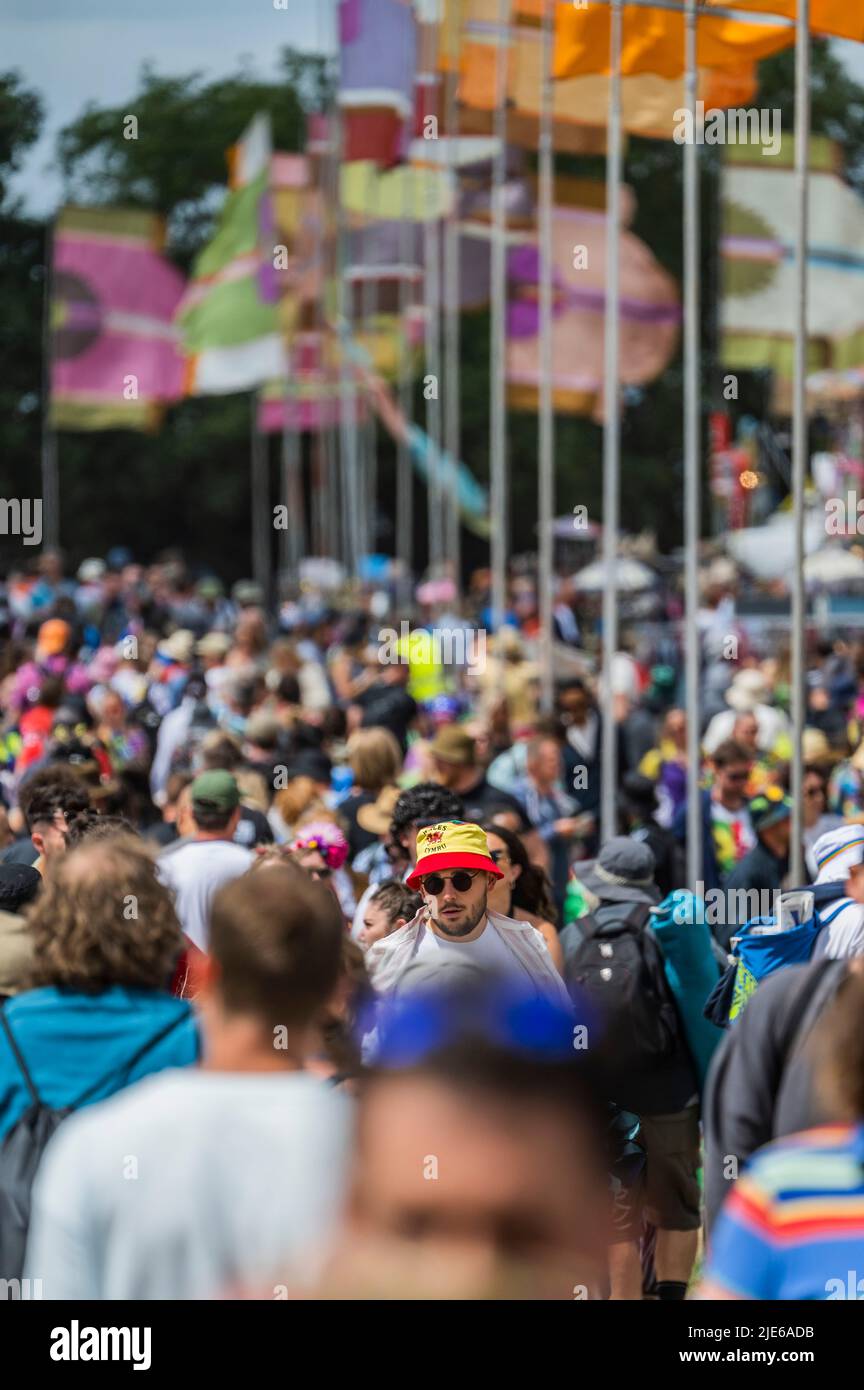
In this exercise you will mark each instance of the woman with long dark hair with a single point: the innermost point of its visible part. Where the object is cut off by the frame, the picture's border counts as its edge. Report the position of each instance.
(524, 892)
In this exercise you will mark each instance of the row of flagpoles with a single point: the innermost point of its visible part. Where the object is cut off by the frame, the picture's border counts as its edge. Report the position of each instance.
(342, 452)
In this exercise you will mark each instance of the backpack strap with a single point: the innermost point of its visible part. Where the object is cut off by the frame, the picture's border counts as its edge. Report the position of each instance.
(828, 917)
(22, 1065)
(635, 918)
(136, 1057)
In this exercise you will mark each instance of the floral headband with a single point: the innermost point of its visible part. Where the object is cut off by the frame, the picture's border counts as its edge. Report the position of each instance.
(328, 840)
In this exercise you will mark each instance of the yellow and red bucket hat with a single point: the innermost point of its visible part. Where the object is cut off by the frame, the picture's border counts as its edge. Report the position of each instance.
(452, 844)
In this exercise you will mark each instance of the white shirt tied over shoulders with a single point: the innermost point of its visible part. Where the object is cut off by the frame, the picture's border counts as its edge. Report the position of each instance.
(516, 950)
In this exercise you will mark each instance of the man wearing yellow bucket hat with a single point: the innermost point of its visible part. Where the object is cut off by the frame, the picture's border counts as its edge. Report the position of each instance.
(453, 874)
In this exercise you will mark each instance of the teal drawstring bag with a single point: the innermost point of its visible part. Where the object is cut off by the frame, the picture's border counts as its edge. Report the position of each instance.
(692, 970)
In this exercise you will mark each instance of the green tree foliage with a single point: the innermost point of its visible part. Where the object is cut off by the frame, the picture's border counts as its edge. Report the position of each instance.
(189, 484)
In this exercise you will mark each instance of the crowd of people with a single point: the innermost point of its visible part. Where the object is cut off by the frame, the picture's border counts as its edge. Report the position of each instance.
(318, 978)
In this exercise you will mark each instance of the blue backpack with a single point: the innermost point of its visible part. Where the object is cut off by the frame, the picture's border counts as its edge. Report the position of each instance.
(765, 945)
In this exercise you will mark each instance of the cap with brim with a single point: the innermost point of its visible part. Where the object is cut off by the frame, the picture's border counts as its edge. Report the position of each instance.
(216, 790)
(452, 844)
(769, 808)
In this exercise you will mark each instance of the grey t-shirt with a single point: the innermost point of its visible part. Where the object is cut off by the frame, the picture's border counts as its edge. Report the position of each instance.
(191, 1184)
(195, 870)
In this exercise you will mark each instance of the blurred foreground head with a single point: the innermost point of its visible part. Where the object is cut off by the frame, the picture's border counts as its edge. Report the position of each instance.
(275, 961)
(478, 1169)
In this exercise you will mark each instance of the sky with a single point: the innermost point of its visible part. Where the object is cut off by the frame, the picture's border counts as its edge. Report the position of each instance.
(75, 51)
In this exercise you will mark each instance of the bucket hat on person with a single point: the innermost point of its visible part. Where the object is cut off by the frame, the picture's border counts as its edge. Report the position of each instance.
(376, 816)
(451, 844)
(623, 872)
(454, 745)
(216, 790)
(749, 688)
(837, 852)
(179, 647)
(214, 644)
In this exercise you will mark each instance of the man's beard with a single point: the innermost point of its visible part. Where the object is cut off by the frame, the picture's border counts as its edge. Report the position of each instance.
(465, 928)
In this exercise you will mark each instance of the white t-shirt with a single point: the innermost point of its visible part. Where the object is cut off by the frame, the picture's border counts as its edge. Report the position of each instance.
(195, 871)
(192, 1184)
(488, 952)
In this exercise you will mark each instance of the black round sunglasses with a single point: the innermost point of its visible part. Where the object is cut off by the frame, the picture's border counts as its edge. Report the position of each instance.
(461, 881)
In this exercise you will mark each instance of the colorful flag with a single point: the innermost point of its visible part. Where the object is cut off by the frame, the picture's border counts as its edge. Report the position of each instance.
(843, 19)
(757, 315)
(650, 313)
(649, 101)
(230, 332)
(653, 41)
(378, 58)
(115, 359)
(311, 398)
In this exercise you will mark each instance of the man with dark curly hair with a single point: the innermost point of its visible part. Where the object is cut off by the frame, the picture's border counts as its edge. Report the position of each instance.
(49, 800)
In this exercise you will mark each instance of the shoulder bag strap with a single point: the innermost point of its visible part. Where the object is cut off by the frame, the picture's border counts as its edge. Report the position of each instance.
(22, 1065)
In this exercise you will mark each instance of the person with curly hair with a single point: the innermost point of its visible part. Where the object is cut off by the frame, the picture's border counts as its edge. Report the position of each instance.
(97, 1014)
(241, 1163)
(49, 799)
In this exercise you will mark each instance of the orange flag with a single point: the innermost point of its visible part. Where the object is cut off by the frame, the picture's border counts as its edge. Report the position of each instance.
(843, 19)
(653, 41)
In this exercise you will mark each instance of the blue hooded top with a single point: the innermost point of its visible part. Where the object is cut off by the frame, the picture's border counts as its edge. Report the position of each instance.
(75, 1043)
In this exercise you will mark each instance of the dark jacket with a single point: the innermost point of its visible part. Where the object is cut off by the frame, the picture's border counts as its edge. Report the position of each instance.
(670, 870)
(760, 1086)
(711, 876)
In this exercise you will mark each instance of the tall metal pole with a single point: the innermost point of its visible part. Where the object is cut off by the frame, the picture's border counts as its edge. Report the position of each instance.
(546, 418)
(452, 290)
(432, 385)
(50, 480)
(612, 426)
(292, 539)
(692, 458)
(260, 488)
(799, 425)
(498, 332)
(404, 548)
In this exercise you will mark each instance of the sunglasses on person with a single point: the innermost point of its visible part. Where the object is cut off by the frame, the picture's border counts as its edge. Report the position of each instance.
(321, 875)
(496, 855)
(461, 881)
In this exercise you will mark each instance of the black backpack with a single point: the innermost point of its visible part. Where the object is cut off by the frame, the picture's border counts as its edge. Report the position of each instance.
(22, 1149)
(615, 960)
